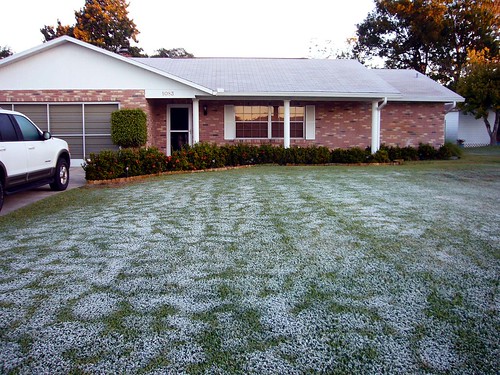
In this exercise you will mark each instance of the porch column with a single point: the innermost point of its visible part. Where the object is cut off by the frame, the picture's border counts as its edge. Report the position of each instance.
(196, 121)
(375, 127)
(286, 130)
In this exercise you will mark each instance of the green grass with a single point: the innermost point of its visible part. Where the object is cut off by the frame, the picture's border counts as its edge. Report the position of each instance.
(379, 269)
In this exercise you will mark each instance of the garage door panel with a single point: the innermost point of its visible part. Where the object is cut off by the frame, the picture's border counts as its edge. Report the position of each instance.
(96, 144)
(98, 118)
(36, 112)
(66, 119)
(75, 144)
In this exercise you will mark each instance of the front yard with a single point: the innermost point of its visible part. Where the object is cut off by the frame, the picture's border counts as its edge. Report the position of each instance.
(286, 270)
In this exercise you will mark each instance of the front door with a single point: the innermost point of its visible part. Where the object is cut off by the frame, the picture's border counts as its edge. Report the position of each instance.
(179, 121)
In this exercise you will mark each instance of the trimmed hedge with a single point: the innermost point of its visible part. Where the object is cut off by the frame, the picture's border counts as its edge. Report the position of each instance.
(129, 128)
(134, 162)
(108, 165)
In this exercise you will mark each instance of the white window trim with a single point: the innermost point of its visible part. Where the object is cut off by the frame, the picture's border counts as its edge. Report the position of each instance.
(269, 123)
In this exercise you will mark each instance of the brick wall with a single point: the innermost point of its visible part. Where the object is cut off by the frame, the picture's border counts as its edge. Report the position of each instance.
(408, 124)
(127, 98)
(338, 124)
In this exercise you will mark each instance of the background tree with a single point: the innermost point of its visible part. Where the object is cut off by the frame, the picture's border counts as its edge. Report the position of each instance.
(481, 88)
(50, 33)
(5, 52)
(103, 23)
(326, 49)
(430, 36)
(174, 53)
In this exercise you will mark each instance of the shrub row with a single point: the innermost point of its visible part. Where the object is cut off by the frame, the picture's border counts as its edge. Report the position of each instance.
(141, 161)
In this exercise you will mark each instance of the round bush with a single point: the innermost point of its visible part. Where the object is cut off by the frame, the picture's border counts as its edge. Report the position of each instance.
(129, 128)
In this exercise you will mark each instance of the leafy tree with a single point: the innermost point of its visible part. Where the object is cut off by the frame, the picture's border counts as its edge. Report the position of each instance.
(481, 89)
(5, 52)
(174, 53)
(430, 36)
(104, 23)
(50, 33)
(326, 49)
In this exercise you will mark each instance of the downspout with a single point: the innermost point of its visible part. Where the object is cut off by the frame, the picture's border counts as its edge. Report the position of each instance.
(453, 106)
(446, 129)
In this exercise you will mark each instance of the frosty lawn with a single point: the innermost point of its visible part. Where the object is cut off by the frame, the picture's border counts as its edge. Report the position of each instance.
(262, 270)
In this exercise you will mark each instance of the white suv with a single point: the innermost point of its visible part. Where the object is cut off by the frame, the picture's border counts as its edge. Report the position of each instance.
(29, 157)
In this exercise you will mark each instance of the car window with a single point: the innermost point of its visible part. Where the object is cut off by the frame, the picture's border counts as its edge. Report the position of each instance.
(7, 130)
(30, 132)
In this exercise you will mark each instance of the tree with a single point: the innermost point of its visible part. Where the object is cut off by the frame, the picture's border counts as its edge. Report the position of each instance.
(430, 36)
(103, 23)
(481, 88)
(50, 33)
(175, 53)
(326, 49)
(5, 52)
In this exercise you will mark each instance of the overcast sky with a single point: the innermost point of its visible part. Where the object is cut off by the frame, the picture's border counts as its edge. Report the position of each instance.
(206, 28)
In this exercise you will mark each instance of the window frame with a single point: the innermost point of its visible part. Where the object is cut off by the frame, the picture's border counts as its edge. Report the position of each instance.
(273, 120)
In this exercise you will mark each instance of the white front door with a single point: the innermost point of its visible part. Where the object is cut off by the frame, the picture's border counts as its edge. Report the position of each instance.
(178, 127)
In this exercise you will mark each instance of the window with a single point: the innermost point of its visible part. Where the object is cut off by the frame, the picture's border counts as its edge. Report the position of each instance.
(267, 121)
(296, 122)
(30, 132)
(7, 130)
(251, 121)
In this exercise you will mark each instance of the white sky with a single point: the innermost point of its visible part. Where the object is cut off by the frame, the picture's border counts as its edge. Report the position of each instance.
(206, 28)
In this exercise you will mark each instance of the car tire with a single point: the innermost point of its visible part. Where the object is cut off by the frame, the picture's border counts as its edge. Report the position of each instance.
(61, 176)
(1, 195)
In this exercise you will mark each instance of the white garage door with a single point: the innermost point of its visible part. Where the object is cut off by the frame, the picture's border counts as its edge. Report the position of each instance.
(86, 126)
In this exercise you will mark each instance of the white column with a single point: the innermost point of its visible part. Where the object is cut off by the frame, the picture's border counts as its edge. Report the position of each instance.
(286, 130)
(196, 121)
(375, 127)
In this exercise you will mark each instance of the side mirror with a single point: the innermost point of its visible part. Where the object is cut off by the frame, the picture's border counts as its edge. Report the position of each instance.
(46, 136)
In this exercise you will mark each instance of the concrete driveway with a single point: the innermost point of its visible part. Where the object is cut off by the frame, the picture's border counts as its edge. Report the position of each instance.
(25, 198)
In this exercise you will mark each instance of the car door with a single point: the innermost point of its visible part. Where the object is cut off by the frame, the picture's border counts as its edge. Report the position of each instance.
(39, 153)
(13, 153)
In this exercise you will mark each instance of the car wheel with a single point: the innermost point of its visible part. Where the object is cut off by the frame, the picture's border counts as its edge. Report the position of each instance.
(61, 177)
(1, 195)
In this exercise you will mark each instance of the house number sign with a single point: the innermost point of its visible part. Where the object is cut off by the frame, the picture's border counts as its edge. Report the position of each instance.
(168, 93)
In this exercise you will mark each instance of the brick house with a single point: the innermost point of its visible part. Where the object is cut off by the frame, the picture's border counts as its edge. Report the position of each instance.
(70, 88)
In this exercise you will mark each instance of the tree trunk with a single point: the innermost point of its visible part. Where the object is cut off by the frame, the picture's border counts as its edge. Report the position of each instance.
(491, 132)
(495, 136)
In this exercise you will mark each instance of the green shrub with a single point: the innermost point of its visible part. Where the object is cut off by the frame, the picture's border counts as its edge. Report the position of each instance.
(353, 155)
(381, 156)
(407, 153)
(200, 156)
(134, 161)
(449, 150)
(427, 152)
(152, 160)
(241, 154)
(129, 128)
(103, 166)
(269, 154)
(108, 165)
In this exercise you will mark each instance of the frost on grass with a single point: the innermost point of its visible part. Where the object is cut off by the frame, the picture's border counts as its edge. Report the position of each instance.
(266, 270)
(95, 306)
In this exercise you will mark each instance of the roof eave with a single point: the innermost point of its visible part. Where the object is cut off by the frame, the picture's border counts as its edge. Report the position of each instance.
(421, 99)
(310, 95)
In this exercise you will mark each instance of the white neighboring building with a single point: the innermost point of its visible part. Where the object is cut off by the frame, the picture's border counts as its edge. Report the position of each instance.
(465, 127)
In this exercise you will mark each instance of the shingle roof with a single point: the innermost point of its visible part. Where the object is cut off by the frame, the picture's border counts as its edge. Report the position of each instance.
(415, 86)
(243, 76)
